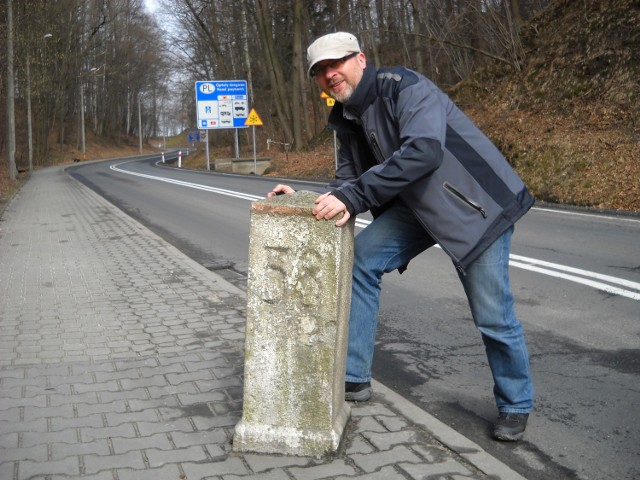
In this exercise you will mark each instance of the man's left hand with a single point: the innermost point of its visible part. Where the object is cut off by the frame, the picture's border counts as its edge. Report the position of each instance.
(328, 206)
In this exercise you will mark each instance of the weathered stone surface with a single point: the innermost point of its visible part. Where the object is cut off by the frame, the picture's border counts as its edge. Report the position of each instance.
(298, 295)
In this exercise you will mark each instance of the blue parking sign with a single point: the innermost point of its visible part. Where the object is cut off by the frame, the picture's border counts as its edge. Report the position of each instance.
(193, 136)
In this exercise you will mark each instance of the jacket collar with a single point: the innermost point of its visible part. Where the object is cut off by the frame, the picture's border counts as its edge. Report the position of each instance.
(364, 93)
(362, 97)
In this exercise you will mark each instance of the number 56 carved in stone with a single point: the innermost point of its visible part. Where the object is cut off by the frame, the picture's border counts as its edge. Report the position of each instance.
(291, 278)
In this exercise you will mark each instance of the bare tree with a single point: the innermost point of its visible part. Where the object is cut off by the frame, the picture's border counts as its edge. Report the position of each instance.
(100, 60)
(274, 67)
(11, 119)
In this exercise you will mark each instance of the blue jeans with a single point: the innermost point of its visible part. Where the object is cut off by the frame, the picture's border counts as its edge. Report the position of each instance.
(390, 242)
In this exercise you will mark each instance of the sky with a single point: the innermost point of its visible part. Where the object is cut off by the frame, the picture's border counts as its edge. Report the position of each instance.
(151, 5)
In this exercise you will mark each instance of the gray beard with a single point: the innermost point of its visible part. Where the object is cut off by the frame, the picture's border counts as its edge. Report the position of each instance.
(343, 98)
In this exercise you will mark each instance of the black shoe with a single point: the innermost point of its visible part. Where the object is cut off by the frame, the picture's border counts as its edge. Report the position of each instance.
(357, 392)
(510, 427)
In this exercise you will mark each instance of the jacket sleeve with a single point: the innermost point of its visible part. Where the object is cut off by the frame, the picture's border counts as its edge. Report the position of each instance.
(407, 141)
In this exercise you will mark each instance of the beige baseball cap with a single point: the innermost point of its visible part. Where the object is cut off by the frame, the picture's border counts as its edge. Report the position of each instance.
(331, 47)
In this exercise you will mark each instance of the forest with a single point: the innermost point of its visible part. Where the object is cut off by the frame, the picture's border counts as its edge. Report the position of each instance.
(123, 71)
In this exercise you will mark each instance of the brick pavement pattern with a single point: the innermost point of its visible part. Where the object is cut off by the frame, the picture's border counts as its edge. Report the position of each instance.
(121, 358)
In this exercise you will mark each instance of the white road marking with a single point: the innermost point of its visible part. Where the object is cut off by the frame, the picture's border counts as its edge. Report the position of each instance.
(583, 277)
(579, 214)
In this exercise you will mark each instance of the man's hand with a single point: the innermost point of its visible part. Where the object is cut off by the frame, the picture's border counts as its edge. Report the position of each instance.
(279, 190)
(328, 206)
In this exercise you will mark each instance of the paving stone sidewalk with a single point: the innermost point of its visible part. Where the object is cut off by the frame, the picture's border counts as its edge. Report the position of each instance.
(121, 358)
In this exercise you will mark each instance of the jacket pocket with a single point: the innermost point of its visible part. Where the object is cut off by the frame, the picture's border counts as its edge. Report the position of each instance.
(375, 147)
(461, 196)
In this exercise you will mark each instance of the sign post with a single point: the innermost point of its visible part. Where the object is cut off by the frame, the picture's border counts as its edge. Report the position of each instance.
(206, 139)
(330, 103)
(254, 120)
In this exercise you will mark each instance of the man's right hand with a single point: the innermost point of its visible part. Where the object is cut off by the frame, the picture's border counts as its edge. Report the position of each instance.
(279, 190)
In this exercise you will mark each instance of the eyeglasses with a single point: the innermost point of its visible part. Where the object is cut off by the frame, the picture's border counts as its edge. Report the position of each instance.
(319, 70)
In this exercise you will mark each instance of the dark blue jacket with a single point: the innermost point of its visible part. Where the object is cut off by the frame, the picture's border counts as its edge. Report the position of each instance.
(401, 137)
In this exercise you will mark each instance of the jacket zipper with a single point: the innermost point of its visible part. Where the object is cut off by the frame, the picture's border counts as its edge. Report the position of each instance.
(450, 188)
(377, 151)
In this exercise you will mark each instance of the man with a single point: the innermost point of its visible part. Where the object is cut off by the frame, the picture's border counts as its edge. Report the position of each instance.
(428, 175)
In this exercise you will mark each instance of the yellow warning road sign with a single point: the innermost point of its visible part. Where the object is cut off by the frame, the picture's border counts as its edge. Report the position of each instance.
(253, 119)
(330, 101)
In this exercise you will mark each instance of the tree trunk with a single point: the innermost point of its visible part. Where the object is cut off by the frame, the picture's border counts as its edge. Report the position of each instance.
(373, 49)
(418, 45)
(274, 67)
(515, 12)
(247, 57)
(298, 68)
(11, 118)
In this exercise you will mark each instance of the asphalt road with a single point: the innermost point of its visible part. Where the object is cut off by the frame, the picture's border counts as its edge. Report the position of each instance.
(576, 278)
